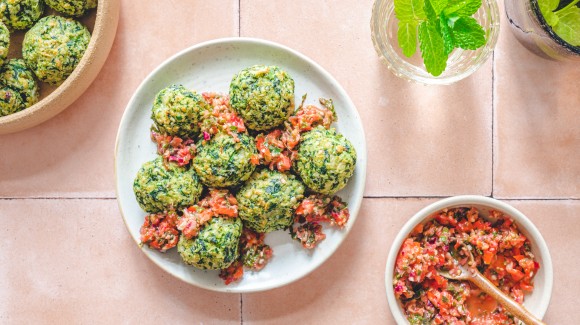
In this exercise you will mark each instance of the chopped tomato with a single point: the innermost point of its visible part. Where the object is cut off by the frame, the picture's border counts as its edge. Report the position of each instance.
(232, 273)
(159, 231)
(220, 118)
(488, 256)
(273, 151)
(219, 203)
(516, 274)
(322, 208)
(174, 149)
(309, 234)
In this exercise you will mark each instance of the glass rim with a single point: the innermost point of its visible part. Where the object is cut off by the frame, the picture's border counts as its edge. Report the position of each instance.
(548, 29)
(383, 9)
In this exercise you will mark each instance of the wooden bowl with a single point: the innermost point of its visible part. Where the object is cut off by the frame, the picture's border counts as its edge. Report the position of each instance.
(102, 23)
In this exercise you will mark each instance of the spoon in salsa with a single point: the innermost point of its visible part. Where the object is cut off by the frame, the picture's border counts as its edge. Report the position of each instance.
(470, 273)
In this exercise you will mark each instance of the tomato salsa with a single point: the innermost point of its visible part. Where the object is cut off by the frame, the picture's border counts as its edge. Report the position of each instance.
(501, 253)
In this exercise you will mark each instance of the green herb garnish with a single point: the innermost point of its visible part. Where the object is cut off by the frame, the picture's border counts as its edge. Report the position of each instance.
(441, 26)
(565, 22)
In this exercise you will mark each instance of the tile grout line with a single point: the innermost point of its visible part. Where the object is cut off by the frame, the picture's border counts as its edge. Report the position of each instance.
(446, 196)
(239, 35)
(364, 197)
(104, 198)
(241, 309)
(492, 123)
(239, 18)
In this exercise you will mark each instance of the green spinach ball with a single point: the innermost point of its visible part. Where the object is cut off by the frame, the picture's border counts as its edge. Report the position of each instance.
(54, 46)
(326, 160)
(10, 101)
(216, 245)
(16, 75)
(263, 96)
(4, 42)
(72, 7)
(178, 110)
(19, 88)
(20, 14)
(224, 161)
(159, 187)
(268, 200)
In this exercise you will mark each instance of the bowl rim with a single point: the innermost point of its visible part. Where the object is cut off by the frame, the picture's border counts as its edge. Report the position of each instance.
(521, 220)
(106, 22)
(361, 155)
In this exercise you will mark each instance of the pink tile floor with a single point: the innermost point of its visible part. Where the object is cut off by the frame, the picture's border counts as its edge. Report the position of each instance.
(511, 131)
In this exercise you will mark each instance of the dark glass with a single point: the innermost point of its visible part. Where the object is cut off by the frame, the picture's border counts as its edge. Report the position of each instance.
(530, 28)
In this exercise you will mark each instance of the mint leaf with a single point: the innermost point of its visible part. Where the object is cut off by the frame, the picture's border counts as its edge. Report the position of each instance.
(438, 5)
(409, 10)
(432, 48)
(429, 11)
(407, 36)
(446, 33)
(568, 27)
(547, 8)
(463, 7)
(468, 34)
(548, 5)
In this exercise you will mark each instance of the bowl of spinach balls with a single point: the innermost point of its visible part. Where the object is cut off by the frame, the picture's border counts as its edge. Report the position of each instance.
(50, 53)
(240, 165)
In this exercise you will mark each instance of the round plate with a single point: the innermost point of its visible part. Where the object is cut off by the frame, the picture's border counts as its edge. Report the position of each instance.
(210, 66)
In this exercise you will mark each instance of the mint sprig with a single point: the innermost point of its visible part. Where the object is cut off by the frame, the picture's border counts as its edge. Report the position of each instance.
(565, 22)
(440, 26)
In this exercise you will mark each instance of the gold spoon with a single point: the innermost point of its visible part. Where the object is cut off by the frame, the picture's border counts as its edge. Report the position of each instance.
(474, 276)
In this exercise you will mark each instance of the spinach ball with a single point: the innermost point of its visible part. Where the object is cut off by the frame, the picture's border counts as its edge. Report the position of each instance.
(224, 160)
(19, 88)
(20, 14)
(4, 42)
(72, 7)
(177, 111)
(16, 75)
(54, 46)
(263, 96)
(216, 245)
(10, 101)
(268, 200)
(326, 160)
(159, 187)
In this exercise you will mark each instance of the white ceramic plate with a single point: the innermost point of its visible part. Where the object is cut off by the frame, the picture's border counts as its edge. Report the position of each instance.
(210, 66)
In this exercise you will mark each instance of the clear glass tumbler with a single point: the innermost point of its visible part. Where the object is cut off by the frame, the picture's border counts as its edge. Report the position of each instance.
(531, 29)
(461, 63)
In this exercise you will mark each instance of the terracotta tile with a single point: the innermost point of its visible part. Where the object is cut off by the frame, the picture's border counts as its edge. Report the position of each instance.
(422, 140)
(537, 131)
(350, 287)
(559, 224)
(73, 262)
(72, 154)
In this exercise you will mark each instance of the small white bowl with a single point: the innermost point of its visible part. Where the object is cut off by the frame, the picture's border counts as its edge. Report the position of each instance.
(537, 302)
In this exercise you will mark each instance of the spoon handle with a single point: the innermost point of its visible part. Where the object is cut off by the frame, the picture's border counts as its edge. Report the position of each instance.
(506, 301)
